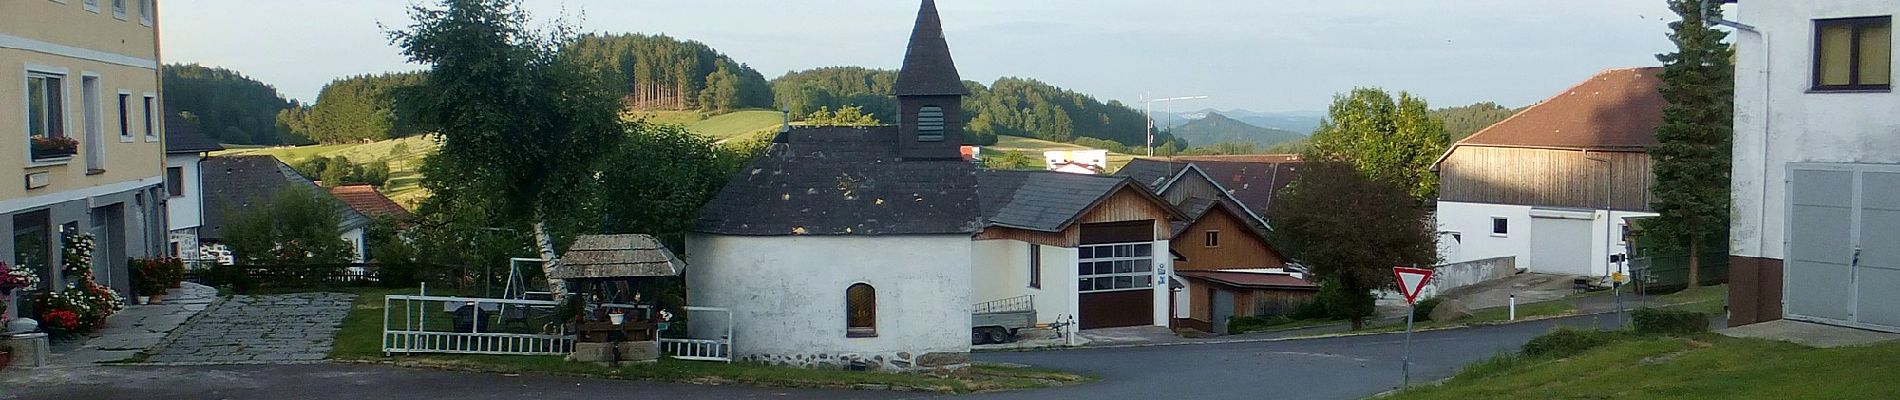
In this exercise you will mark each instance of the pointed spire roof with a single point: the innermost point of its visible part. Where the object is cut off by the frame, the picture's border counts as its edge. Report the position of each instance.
(928, 69)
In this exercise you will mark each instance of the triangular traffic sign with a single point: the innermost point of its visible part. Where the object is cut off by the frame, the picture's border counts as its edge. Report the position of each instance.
(1412, 281)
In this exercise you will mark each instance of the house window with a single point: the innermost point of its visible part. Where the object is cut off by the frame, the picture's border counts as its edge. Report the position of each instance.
(1500, 226)
(860, 311)
(145, 12)
(930, 124)
(92, 5)
(1035, 266)
(175, 181)
(151, 118)
(46, 116)
(1110, 267)
(118, 9)
(1213, 238)
(125, 117)
(1853, 54)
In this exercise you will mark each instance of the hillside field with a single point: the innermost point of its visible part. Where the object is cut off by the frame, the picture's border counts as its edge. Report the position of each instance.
(719, 127)
(1034, 148)
(403, 184)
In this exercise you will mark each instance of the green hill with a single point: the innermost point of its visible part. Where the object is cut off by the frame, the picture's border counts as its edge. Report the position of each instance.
(404, 156)
(1216, 128)
(721, 126)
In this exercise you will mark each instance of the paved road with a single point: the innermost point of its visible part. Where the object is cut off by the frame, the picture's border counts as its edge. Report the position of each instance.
(1331, 368)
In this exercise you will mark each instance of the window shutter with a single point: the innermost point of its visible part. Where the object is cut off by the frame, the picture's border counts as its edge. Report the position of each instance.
(930, 124)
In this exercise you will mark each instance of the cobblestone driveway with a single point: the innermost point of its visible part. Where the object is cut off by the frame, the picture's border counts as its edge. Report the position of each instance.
(261, 329)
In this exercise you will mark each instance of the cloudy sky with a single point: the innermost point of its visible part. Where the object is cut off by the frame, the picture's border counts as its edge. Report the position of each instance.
(1262, 55)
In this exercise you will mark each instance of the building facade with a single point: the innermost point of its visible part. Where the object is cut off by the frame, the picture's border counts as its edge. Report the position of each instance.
(1554, 184)
(185, 152)
(1816, 164)
(83, 134)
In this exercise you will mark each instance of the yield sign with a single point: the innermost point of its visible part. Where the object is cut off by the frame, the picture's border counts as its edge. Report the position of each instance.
(1411, 281)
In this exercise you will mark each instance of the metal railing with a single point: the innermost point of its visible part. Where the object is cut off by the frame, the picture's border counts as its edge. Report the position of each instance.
(717, 349)
(473, 325)
(1019, 303)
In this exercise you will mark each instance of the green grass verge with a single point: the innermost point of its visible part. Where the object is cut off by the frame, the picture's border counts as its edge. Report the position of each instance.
(1706, 299)
(1491, 316)
(1701, 367)
(360, 340)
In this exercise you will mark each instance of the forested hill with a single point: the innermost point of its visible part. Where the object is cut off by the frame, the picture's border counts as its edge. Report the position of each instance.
(1009, 106)
(1217, 128)
(353, 109)
(1463, 121)
(658, 72)
(224, 104)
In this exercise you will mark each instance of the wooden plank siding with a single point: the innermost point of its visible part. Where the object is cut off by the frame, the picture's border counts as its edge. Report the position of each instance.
(1240, 245)
(1545, 177)
(1191, 186)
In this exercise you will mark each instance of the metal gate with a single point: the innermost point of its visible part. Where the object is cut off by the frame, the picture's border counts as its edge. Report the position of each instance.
(472, 325)
(1838, 271)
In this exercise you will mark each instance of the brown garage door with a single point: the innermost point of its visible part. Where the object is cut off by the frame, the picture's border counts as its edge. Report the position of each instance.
(1112, 309)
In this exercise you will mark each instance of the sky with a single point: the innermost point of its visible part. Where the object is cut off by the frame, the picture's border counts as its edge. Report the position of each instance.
(1261, 55)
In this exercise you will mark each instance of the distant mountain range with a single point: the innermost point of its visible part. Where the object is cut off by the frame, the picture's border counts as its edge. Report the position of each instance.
(1214, 127)
(1302, 122)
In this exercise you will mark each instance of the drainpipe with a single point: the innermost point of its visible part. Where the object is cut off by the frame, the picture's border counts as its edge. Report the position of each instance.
(1767, 118)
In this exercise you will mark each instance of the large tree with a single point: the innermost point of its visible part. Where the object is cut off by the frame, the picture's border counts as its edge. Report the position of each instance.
(520, 129)
(1350, 230)
(1387, 139)
(1692, 160)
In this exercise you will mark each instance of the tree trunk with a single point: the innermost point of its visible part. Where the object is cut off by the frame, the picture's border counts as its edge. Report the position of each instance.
(1695, 263)
(1358, 323)
(545, 242)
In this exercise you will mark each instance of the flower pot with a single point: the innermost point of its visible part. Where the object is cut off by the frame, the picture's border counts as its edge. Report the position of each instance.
(142, 300)
(617, 319)
(157, 299)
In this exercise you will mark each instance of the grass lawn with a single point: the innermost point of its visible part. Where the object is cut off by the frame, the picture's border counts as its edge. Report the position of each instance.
(1703, 367)
(1705, 299)
(360, 339)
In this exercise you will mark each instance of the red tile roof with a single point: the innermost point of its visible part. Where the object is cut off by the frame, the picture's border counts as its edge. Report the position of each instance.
(1617, 109)
(1258, 280)
(365, 199)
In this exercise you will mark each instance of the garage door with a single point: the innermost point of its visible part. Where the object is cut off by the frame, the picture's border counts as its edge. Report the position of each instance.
(1838, 269)
(1115, 275)
(1560, 246)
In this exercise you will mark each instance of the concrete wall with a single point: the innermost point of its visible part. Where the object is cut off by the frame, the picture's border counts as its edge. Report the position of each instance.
(1471, 224)
(1461, 274)
(1778, 121)
(999, 269)
(787, 294)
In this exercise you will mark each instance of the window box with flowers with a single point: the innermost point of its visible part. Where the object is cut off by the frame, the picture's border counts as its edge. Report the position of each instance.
(52, 148)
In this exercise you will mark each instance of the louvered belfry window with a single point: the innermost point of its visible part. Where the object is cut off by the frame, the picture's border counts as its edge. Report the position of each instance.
(930, 124)
(860, 311)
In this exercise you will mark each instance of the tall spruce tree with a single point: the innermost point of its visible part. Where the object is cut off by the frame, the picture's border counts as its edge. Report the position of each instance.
(1691, 189)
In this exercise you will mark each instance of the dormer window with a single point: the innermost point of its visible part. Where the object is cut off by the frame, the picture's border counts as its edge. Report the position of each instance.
(930, 124)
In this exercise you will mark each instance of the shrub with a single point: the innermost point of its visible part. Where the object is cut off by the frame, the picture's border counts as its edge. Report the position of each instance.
(1315, 309)
(1422, 311)
(1565, 342)
(1244, 324)
(1669, 322)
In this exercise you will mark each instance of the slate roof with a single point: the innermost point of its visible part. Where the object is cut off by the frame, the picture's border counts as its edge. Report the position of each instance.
(1252, 280)
(1254, 181)
(182, 137)
(367, 201)
(1046, 201)
(1617, 109)
(616, 256)
(838, 180)
(240, 182)
(928, 69)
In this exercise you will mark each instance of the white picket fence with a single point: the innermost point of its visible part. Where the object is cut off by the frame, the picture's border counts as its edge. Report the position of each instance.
(470, 325)
(717, 349)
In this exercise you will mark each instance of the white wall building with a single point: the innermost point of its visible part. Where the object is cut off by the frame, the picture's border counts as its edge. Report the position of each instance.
(1554, 184)
(185, 151)
(1816, 164)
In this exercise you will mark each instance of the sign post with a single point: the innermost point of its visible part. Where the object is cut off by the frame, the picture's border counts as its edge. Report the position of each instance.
(1411, 282)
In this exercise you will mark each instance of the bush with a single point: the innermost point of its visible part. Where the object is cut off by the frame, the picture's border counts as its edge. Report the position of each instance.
(1311, 310)
(1422, 311)
(1669, 322)
(1565, 342)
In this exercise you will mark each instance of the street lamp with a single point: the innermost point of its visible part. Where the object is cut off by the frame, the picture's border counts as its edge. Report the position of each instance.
(1609, 228)
(1148, 106)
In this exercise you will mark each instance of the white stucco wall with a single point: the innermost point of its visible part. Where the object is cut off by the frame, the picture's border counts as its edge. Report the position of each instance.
(1473, 223)
(185, 211)
(1777, 121)
(1000, 269)
(787, 294)
(356, 239)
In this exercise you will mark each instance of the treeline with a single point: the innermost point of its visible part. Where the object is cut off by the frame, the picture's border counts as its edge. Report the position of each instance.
(1010, 106)
(1463, 121)
(353, 109)
(658, 72)
(224, 104)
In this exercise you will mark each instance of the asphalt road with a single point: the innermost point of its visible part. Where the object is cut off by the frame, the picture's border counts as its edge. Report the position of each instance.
(1331, 368)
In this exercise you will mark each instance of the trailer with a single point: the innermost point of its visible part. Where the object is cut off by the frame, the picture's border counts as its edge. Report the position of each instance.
(998, 321)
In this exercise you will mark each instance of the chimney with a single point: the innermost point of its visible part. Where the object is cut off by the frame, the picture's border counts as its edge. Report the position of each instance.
(929, 94)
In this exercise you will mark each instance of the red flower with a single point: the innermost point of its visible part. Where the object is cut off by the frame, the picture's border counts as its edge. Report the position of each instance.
(61, 319)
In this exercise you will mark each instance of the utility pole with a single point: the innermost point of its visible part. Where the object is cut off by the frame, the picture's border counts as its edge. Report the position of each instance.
(1148, 107)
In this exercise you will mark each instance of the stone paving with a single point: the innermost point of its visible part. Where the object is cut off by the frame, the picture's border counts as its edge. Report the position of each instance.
(261, 329)
(137, 328)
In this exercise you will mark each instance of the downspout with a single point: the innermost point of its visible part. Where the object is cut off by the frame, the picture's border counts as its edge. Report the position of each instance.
(1767, 119)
